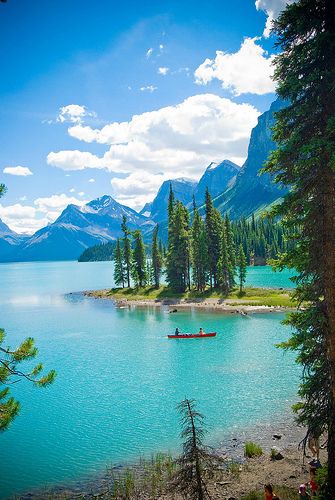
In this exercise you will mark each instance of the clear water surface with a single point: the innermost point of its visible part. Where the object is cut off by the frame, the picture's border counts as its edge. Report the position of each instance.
(120, 378)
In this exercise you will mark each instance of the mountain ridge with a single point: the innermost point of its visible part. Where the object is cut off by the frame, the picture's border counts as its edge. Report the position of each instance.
(238, 191)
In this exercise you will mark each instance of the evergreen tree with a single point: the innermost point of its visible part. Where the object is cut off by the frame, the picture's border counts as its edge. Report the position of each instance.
(230, 251)
(139, 265)
(198, 251)
(304, 160)
(10, 374)
(127, 251)
(119, 270)
(178, 257)
(156, 257)
(241, 268)
(224, 264)
(213, 236)
(190, 480)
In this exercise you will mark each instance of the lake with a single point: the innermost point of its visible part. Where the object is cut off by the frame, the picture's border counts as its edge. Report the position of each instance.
(119, 377)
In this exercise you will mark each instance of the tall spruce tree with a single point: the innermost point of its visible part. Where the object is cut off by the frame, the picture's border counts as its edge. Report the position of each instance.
(198, 251)
(224, 264)
(139, 265)
(230, 251)
(178, 257)
(213, 236)
(241, 268)
(305, 161)
(127, 251)
(156, 258)
(119, 270)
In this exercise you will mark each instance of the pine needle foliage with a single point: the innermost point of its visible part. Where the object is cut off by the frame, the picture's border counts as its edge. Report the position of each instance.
(189, 480)
(156, 258)
(11, 373)
(305, 161)
(119, 268)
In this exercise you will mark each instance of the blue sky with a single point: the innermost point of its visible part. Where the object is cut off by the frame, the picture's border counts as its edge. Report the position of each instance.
(113, 97)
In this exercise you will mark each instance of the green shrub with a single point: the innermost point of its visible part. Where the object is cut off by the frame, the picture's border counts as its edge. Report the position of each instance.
(252, 450)
(321, 479)
(234, 468)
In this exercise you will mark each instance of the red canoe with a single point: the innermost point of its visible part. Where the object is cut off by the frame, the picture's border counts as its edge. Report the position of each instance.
(192, 335)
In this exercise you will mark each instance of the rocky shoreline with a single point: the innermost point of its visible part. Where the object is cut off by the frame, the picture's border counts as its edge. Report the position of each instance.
(227, 306)
(251, 474)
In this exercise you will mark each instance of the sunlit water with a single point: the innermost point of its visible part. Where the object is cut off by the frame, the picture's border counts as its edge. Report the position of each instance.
(120, 378)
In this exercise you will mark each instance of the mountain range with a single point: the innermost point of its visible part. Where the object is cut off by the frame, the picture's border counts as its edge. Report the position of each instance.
(239, 191)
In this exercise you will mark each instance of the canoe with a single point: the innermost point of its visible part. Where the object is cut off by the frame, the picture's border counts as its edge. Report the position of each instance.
(192, 335)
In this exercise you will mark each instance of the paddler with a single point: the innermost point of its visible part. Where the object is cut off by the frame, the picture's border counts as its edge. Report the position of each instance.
(201, 332)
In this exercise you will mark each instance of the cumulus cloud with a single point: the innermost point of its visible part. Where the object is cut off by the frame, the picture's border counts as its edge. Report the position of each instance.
(148, 88)
(91, 180)
(272, 8)
(21, 218)
(21, 171)
(163, 70)
(73, 113)
(74, 160)
(249, 70)
(177, 140)
(137, 189)
(30, 218)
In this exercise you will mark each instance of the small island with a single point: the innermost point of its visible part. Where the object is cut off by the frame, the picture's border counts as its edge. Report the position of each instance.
(252, 299)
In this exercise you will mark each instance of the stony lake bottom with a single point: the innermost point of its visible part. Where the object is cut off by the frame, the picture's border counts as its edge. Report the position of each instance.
(119, 377)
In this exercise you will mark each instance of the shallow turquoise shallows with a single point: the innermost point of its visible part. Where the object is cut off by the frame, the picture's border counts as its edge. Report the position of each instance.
(120, 378)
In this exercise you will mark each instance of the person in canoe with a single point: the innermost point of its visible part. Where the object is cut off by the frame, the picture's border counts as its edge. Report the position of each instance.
(177, 331)
(201, 332)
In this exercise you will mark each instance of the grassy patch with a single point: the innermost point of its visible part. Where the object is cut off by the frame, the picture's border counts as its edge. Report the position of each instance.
(251, 295)
(252, 450)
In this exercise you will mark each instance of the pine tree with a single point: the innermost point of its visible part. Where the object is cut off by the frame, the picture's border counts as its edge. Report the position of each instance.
(213, 236)
(139, 265)
(10, 374)
(304, 160)
(178, 257)
(241, 267)
(189, 480)
(156, 258)
(224, 264)
(127, 251)
(198, 251)
(230, 251)
(119, 271)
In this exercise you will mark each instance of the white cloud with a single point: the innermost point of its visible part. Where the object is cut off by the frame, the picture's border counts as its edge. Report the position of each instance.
(248, 70)
(73, 113)
(72, 190)
(91, 180)
(163, 70)
(74, 160)
(81, 193)
(21, 171)
(21, 218)
(23, 198)
(28, 219)
(138, 188)
(56, 203)
(148, 88)
(161, 46)
(149, 52)
(177, 140)
(272, 8)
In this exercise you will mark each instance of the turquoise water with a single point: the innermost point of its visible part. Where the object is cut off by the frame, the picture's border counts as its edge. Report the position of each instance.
(119, 377)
